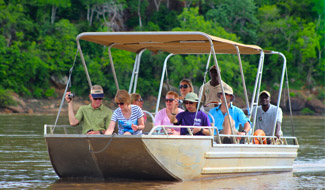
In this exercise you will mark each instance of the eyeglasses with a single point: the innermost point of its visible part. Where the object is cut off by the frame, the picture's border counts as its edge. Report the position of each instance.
(119, 104)
(139, 100)
(169, 100)
(98, 98)
(188, 102)
(183, 86)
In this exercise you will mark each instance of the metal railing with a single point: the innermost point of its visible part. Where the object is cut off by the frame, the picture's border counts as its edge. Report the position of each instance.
(162, 130)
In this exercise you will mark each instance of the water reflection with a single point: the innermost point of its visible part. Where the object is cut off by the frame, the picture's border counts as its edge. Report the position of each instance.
(24, 161)
(257, 181)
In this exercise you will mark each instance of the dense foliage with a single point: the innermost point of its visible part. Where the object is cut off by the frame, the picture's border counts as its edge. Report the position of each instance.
(37, 41)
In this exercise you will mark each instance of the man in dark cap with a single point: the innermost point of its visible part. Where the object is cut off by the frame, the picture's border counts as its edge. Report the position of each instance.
(94, 117)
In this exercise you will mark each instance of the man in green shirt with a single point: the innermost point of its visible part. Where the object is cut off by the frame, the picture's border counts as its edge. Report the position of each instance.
(94, 117)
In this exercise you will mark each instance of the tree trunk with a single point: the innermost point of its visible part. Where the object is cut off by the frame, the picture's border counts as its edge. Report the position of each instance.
(157, 4)
(53, 14)
(139, 14)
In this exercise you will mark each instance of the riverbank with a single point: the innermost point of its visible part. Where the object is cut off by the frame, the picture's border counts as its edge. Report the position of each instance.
(300, 105)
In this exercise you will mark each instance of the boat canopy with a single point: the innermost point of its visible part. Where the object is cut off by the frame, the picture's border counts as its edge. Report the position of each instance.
(172, 42)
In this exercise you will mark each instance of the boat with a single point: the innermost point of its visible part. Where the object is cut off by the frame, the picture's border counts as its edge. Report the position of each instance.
(157, 155)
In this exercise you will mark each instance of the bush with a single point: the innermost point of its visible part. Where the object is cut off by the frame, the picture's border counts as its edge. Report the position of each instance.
(6, 98)
(307, 111)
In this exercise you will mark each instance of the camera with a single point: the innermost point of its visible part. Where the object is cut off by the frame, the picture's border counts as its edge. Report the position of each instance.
(70, 96)
(180, 101)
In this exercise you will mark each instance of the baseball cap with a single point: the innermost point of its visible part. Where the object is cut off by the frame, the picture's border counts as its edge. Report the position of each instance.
(97, 91)
(265, 92)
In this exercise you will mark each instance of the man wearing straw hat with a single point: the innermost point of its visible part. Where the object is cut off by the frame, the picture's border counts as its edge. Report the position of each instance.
(94, 117)
(237, 116)
(266, 115)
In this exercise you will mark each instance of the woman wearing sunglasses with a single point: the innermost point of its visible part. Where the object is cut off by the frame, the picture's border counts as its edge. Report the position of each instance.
(137, 100)
(128, 117)
(164, 115)
(185, 86)
(192, 118)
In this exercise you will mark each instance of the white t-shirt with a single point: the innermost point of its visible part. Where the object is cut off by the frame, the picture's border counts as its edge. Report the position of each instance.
(265, 120)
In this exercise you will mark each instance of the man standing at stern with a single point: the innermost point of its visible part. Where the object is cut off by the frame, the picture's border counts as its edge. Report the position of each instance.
(94, 117)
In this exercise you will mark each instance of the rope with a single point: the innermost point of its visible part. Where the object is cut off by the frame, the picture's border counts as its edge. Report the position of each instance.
(65, 91)
(106, 146)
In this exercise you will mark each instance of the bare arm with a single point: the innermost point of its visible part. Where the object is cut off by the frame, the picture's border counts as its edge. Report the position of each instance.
(174, 112)
(204, 131)
(277, 130)
(110, 129)
(140, 125)
(72, 119)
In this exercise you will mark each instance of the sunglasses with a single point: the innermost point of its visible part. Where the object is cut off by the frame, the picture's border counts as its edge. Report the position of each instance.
(183, 86)
(139, 100)
(188, 102)
(98, 98)
(120, 104)
(169, 100)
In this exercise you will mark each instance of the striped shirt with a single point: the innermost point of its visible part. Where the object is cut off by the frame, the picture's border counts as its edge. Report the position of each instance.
(124, 124)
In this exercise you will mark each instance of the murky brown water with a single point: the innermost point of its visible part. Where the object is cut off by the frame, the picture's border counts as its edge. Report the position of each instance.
(24, 162)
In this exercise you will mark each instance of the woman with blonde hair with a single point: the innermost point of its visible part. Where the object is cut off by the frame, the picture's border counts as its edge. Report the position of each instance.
(185, 86)
(128, 117)
(164, 115)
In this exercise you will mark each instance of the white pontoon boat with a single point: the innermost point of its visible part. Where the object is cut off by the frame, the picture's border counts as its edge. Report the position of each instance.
(159, 156)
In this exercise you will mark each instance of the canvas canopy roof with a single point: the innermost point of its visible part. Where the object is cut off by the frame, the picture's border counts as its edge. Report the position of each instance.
(172, 42)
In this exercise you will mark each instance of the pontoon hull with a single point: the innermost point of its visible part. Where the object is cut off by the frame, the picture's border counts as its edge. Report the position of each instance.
(161, 157)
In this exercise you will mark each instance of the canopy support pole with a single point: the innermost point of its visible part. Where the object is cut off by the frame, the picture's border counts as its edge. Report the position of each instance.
(223, 91)
(137, 71)
(243, 80)
(112, 66)
(162, 81)
(281, 85)
(257, 86)
(84, 64)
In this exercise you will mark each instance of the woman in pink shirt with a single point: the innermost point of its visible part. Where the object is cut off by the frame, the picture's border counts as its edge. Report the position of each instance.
(164, 115)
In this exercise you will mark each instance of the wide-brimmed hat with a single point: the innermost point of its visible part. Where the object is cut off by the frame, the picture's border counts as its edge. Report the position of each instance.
(97, 91)
(265, 92)
(191, 97)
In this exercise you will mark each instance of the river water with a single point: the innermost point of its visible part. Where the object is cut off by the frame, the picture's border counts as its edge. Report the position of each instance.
(24, 162)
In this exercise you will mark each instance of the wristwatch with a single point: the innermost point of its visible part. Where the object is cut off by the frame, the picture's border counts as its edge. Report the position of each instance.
(245, 132)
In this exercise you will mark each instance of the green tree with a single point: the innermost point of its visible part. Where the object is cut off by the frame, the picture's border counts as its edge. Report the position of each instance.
(236, 17)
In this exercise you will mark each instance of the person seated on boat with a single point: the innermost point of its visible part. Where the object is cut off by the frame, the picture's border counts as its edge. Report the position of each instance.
(94, 117)
(266, 115)
(210, 90)
(129, 118)
(237, 116)
(164, 115)
(190, 117)
(137, 100)
(185, 86)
